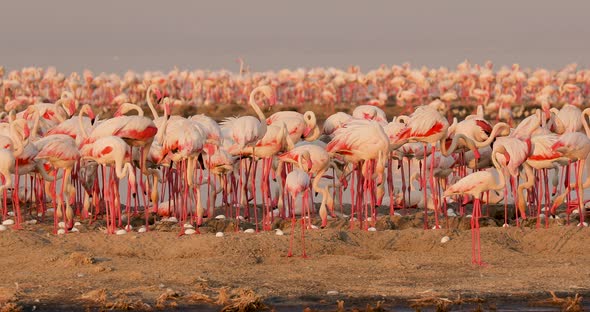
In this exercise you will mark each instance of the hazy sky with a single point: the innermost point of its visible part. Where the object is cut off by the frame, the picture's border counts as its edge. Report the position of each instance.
(159, 34)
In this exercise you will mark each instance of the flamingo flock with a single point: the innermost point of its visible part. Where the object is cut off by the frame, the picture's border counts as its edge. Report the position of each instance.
(59, 155)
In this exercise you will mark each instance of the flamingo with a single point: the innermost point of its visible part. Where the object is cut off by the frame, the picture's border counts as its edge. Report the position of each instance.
(334, 122)
(247, 130)
(575, 146)
(108, 151)
(318, 163)
(61, 152)
(299, 126)
(297, 182)
(363, 141)
(475, 184)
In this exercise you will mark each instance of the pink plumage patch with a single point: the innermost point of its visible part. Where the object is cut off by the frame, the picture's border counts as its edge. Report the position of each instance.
(106, 150)
(48, 115)
(485, 126)
(407, 132)
(147, 133)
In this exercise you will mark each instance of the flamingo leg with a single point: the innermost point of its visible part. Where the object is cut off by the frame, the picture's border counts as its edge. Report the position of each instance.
(424, 175)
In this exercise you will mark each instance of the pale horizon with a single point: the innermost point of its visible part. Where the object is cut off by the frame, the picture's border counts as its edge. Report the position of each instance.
(115, 36)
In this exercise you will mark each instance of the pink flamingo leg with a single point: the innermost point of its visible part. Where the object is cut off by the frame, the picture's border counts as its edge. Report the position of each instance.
(305, 205)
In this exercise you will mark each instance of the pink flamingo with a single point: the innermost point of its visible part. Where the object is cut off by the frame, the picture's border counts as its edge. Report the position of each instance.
(334, 122)
(72, 126)
(475, 184)
(425, 125)
(299, 126)
(297, 182)
(370, 112)
(61, 152)
(108, 151)
(183, 142)
(247, 131)
(363, 141)
(318, 163)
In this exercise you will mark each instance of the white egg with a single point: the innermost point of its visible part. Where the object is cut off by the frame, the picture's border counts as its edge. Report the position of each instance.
(219, 234)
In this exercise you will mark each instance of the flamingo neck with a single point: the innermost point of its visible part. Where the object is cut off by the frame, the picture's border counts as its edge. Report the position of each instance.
(150, 103)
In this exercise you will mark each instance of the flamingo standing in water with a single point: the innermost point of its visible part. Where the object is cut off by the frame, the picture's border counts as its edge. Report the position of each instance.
(183, 142)
(475, 184)
(370, 112)
(274, 141)
(72, 126)
(334, 122)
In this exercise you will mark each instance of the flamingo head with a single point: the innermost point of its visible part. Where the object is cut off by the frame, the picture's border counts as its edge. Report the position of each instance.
(270, 94)
(72, 106)
(26, 131)
(167, 109)
(88, 111)
(158, 93)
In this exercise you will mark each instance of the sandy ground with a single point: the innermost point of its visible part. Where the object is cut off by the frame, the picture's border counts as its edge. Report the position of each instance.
(397, 263)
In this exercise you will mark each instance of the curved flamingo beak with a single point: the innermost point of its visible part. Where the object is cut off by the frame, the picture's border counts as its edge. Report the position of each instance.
(91, 115)
(158, 93)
